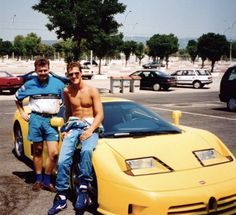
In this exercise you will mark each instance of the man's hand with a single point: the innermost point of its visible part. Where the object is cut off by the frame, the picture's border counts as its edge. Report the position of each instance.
(63, 134)
(25, 116)
(86, 134)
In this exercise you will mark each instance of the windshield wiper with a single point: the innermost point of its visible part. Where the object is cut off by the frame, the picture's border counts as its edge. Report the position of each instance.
(124, 134)
(141, 133)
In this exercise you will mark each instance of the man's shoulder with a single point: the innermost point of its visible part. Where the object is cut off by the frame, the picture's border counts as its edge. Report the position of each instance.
(56, 81)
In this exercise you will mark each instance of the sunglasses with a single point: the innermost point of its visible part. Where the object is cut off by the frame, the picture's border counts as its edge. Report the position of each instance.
(73, 73)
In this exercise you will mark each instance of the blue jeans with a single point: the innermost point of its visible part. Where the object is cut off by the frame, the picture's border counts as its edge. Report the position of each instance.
(75, 128)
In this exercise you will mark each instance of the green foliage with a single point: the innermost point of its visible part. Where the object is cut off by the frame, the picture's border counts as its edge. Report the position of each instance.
(233, 47)
(19, 47)
(127, 48)
(140, 51)
(162, 46)
(31, 42)
(192, 49)
(212, 46)
(84, 19)
(6, 47)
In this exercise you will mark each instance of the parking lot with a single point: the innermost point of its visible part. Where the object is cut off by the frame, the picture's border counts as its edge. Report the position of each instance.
(200, 108)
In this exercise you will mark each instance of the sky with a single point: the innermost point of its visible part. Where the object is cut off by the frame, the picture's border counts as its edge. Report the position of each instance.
(183, 18)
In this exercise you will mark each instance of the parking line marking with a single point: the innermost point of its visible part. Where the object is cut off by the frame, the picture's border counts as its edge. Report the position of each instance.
(197, 114)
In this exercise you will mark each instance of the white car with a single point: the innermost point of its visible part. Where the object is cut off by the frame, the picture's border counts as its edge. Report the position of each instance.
(195, 77)
(87, 73)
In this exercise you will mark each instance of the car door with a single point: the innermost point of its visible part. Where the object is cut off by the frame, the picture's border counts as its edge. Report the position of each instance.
(179, 76)
(4, 80)
(191, 76)
(230, 84)
(147, 80)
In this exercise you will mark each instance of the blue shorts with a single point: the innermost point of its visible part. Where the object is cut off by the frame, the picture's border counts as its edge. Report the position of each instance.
(40, 129)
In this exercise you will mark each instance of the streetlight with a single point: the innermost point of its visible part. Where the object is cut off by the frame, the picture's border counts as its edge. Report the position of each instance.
(13, 21)
(127, 15)
(132, 31)
(13, 18)
(123, 24)
(230, 41)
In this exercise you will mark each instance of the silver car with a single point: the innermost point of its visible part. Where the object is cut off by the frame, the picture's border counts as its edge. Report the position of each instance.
(195, 77)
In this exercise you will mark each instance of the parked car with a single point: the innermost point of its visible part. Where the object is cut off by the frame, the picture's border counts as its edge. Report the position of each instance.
(32, 74)
(195, 77)
(87, 73)
(228, 88)
(88, 63)
(146, 165)
(152, 65)
(9, 82)
(154, 79)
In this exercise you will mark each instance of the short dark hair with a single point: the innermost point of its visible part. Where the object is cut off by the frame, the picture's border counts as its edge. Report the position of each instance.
(72, 65)
(41, 61)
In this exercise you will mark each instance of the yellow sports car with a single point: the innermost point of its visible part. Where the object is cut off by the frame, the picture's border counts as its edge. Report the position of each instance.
(146, 165)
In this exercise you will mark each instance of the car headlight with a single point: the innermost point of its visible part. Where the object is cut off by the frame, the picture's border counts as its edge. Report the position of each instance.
(209, 157)
(145, 166)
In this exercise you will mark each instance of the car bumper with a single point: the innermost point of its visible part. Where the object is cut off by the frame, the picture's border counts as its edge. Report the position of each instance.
(122, 200)
(206, 82)
(10, 87)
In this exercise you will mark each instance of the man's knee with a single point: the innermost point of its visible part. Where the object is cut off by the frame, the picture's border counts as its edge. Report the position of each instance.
(54, 156)
(38, 150)
(86, 154)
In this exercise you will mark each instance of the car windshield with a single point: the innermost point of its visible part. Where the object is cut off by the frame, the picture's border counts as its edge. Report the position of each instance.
(203, 72)
(5, 74)
(131, 119)
(160, 73)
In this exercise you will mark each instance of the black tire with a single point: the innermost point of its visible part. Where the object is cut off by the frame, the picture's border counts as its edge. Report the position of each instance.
(18, 142)
(13, 91)
(231, 104)
(165, 88)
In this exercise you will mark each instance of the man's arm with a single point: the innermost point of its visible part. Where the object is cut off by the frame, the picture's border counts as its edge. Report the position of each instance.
(19, 106)
(68, 112)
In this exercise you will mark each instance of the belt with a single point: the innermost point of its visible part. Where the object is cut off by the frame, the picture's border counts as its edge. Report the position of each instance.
(44, 114)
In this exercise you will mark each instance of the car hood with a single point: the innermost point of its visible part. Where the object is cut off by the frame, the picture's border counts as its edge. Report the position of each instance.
(176, 151)
(171, 149)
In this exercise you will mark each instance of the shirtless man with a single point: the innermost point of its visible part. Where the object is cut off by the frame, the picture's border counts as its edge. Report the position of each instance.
(84, 114)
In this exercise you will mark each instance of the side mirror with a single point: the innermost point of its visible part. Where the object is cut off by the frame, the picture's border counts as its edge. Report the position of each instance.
(176, 116)
(57, 121)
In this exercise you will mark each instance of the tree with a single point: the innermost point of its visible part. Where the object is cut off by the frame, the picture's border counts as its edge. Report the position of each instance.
(31, 42)
(212, 46)
(192, 49)
(45, 50)
(105, 45)
(162, 46)
(82, 19)
(140, 52)
(233, 51)
(19, 48)
(127, 48)
(6, 48)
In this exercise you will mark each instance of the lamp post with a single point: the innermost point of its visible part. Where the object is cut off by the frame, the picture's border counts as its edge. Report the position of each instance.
(132, 31)
(13, 21)
(125, 20)
(230, 41)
